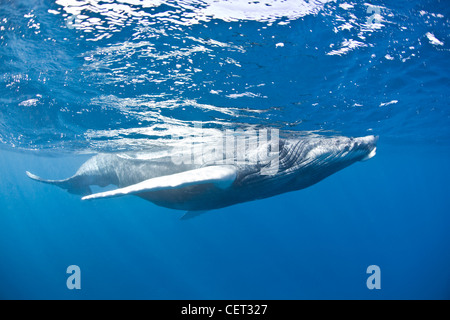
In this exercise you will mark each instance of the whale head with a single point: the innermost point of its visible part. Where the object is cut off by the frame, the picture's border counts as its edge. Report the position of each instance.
(314, 159)
(340, 149)
(353, 149)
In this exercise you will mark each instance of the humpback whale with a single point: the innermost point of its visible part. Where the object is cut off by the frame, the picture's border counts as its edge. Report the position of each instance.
(217, 182)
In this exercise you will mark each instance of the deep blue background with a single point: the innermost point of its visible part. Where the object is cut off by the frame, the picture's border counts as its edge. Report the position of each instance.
(391, 211)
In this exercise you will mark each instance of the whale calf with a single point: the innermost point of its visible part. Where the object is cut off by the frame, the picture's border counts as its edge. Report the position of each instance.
(215, 182)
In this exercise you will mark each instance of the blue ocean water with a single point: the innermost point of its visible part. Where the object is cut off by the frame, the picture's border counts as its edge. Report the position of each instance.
(78, 77)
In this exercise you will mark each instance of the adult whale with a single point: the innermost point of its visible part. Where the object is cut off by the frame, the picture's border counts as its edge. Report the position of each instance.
(217, 182)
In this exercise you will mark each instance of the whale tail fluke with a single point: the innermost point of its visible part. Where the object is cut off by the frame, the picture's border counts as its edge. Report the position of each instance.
(72, 185)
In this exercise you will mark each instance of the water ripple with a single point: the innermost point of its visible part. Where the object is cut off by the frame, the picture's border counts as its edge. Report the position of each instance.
(83, 75)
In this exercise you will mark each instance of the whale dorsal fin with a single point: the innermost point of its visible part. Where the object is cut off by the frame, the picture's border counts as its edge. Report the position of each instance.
(221, 176)
(192, 214)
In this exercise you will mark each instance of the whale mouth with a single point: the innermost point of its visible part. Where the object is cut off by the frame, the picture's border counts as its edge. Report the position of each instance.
(371, 142)
(370, 155)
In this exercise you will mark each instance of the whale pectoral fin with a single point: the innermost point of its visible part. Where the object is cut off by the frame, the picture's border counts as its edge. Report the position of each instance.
(221, 176)
(68, 184)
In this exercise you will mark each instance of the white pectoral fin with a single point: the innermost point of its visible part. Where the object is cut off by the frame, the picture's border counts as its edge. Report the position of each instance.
(221, 176)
